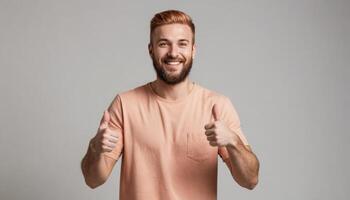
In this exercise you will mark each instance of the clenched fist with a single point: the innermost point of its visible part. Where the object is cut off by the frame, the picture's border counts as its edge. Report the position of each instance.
(105, 139)
(218, 134)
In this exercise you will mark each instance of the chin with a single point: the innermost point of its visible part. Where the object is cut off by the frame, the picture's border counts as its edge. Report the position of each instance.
(173, 68)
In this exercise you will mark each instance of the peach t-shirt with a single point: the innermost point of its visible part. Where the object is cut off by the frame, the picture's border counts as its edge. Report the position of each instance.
(165, 151)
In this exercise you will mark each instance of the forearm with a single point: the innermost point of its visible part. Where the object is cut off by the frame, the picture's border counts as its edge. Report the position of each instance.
(243, 164)
(94, 168)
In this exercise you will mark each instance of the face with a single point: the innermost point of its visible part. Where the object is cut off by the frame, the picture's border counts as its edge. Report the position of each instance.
(172, 52)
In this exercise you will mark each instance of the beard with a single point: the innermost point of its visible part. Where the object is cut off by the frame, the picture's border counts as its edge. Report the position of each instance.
(172, 79)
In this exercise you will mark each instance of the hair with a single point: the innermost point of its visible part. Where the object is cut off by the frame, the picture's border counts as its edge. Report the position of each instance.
(171, 17)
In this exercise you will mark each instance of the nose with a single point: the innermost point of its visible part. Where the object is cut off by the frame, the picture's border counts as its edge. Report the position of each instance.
(173, 51)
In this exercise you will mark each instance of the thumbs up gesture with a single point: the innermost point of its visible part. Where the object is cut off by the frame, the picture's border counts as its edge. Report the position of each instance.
(218, 134)
(105, 139)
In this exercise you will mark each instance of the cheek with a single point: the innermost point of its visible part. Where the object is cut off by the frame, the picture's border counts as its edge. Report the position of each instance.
(159, 54)
(187, 53)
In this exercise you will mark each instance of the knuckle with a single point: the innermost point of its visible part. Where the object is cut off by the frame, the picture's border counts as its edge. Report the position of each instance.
(113, 134)
(104, 141)
(105, 135)
(101, 127)
(106, 148)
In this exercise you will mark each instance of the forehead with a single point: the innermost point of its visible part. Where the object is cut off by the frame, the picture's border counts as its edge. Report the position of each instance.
(172, 32)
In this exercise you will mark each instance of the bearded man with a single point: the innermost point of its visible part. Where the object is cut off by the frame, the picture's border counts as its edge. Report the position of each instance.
(170, 131)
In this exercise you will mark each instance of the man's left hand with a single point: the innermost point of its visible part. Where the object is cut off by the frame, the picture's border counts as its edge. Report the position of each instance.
(218, 134)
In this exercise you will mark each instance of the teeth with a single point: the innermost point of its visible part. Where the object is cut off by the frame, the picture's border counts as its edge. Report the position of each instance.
(173, 63)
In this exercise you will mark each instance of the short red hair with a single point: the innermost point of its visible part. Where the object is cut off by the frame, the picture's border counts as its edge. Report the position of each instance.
(171, 17)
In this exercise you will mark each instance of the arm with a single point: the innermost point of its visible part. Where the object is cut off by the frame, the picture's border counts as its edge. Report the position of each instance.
(96, 168)
(243, 164)
(238, 156)
(103, 152)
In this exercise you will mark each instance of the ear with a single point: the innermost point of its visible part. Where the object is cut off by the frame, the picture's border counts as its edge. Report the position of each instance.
(193, 51)
(150, 49)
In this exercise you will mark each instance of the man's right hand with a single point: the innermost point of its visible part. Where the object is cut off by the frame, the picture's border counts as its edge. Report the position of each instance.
(105, 139)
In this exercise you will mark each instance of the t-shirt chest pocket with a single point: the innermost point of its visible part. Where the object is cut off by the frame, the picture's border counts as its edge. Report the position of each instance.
(198, 147)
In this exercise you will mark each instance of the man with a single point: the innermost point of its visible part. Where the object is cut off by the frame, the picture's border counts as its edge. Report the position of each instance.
(170, 131)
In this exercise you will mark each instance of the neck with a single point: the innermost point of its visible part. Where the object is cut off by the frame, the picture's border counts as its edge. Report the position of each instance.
(172, 92)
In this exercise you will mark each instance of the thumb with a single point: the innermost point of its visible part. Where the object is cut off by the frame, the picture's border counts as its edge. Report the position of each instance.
(105, 119)
(215, 112)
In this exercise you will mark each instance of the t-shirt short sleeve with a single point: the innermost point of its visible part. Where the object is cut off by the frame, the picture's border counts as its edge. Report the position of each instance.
(230, 116)
(116, 124)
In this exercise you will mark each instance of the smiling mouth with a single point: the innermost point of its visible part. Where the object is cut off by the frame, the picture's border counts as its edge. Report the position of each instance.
(172, 62)
(172, 66)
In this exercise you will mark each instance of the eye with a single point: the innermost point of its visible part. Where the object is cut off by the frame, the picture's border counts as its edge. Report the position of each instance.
(162, 44)
(183, 44)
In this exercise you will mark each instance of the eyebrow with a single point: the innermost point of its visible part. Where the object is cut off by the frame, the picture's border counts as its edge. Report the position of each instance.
(166, 40)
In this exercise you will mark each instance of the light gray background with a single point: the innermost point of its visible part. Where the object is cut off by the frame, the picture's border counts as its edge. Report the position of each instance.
(284, 64)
